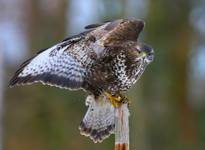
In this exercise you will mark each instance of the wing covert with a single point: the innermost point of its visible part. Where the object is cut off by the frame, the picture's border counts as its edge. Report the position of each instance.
(121, 30)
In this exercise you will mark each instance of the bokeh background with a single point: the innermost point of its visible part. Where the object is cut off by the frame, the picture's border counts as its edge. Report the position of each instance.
(168, 102)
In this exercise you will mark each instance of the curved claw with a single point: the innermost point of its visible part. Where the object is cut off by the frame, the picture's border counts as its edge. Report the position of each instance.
(117, 101)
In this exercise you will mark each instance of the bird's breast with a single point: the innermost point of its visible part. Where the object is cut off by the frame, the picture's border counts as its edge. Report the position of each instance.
(127, 72)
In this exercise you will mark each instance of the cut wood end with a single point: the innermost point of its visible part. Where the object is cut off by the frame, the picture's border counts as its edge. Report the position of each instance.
(121, 146)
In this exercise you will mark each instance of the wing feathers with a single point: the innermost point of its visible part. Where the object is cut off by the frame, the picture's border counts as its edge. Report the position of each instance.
(95, 25)
(54, 66)
(98, 122)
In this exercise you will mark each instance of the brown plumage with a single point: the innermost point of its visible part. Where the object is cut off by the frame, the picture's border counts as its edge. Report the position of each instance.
(105, 60)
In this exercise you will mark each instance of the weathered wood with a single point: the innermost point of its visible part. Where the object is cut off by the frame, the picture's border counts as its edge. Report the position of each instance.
(122, 127)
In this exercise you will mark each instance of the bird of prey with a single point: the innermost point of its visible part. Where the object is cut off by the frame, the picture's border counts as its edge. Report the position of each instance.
(105, 61)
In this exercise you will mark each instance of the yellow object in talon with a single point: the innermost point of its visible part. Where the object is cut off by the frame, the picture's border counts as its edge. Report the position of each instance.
(116, 101)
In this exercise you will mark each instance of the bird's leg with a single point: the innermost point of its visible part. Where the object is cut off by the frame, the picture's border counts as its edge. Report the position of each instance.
(117, 100)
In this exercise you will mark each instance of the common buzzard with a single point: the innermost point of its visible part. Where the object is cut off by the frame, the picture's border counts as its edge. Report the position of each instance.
(105, 61)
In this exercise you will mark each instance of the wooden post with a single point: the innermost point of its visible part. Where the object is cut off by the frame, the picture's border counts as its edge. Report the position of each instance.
(122, 127)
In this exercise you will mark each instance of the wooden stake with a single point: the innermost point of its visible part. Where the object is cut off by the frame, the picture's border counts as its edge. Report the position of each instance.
(122, 127)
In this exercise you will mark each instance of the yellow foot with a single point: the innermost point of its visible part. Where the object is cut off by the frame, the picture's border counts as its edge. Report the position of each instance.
(117, 101)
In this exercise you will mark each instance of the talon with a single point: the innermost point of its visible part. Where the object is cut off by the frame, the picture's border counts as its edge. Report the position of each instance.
(125, 100)
(117, 101)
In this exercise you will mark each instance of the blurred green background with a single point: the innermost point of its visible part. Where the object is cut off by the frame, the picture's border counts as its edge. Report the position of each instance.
(168, 102)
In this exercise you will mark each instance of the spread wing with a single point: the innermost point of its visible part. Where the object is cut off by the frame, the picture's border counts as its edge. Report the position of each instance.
(118, 31)
(65, 65)
(60, 66)
(124, 29)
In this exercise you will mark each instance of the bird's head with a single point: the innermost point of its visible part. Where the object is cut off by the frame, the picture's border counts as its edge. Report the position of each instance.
(145, 52)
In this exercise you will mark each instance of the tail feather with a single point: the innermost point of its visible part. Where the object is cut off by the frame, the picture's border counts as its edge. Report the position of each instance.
(98, 122)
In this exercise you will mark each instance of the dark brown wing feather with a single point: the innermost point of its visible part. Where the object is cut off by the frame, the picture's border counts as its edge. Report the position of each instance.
(95, 25)
(122, 30)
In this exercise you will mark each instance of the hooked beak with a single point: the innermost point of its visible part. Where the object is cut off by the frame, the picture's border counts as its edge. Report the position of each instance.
(147, 53)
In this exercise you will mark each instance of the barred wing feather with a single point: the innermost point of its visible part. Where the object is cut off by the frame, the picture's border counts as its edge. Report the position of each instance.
(54, 66)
